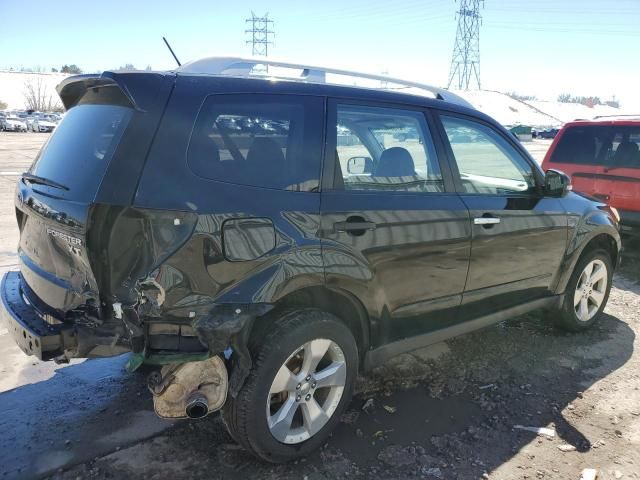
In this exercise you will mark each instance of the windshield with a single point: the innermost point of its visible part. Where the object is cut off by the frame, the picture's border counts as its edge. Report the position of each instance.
(610, 146)
(78, 153)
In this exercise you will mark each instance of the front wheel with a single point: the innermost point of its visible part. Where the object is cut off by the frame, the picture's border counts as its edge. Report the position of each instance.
(301, 382)
(587, 292)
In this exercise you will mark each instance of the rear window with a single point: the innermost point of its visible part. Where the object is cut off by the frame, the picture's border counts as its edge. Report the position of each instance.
(268, 141)
(78, 153)
(605, 145)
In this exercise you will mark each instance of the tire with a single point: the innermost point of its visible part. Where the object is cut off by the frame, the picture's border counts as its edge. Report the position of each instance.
(281, 357)
(585, 291)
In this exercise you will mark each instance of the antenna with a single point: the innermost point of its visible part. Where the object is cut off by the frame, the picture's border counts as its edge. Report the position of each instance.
(466, 51)
(171, 50)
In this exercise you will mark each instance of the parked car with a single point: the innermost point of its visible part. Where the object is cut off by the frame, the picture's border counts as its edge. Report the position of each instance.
(14, 124)
(50, 117)
(42, 125)
(603, 158)
(549, 133)
(256, 270)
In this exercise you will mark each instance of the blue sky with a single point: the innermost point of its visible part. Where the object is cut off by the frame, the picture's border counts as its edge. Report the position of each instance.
(535, 47)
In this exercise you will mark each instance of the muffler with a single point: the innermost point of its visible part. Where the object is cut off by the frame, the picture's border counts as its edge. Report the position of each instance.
(189, 390)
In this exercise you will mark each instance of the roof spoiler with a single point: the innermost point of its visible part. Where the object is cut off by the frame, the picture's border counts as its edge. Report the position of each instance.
(73, 89)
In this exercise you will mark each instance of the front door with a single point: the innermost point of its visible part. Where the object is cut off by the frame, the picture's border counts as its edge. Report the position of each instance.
(394, 232)
(519, 236)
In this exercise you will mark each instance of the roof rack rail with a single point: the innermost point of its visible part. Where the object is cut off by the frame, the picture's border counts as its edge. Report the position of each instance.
(244, 67)
(631, 115)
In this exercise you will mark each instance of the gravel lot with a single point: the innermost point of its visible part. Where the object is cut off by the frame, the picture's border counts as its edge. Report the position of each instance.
(445, 412)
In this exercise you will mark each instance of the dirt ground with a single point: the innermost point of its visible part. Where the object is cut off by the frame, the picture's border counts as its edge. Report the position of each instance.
(445, 412)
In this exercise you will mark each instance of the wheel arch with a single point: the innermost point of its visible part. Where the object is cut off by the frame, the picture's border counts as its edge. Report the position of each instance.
(340, 303)
(600, 240)
(605, 242)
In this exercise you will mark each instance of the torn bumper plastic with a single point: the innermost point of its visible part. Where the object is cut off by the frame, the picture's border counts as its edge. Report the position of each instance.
(31, 332)
(45, 336)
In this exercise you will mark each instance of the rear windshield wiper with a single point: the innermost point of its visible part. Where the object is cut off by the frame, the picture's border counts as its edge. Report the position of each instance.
(43, 181)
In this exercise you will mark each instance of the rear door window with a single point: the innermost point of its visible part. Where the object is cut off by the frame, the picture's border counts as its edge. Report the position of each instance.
(79, 151)
(610, 146)
(385, 149)
(269, 141)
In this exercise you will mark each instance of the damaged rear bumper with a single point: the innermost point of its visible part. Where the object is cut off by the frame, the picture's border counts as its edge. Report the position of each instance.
(29, 329)
(38, 331)
(45, 336)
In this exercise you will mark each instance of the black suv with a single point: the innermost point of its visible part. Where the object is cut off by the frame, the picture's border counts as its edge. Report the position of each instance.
(261, 240)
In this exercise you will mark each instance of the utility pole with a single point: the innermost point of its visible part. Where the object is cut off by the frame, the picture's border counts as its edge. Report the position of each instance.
(465, 62)
(261, 32)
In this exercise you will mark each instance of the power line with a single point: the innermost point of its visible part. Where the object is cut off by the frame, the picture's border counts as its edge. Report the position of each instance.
(465, 61)
(261, 32)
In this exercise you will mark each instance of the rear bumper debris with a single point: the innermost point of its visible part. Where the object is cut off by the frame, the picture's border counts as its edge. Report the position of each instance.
(31, 332)
(46, 337)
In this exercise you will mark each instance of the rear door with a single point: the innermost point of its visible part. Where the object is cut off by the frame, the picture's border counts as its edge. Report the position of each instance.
(519, 237)
(394, 232)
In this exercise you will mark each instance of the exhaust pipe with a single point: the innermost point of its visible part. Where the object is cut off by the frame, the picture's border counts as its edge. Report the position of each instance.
(197, 405)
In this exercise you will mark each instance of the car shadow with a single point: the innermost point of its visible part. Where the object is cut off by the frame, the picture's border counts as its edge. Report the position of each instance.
(458, 412)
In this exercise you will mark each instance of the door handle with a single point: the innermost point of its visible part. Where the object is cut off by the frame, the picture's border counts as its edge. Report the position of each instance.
(486, 220)
(354, 226)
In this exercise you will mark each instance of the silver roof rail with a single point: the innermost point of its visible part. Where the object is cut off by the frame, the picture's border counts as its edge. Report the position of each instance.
(244, 67)
(632, 116)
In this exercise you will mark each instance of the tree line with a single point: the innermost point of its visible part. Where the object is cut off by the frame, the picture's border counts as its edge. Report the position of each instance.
(588, 101)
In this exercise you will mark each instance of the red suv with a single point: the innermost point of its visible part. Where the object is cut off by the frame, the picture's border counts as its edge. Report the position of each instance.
(603, 158)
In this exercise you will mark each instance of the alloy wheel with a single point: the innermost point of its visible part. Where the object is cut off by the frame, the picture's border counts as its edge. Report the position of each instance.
(306, 391)
(590, 290)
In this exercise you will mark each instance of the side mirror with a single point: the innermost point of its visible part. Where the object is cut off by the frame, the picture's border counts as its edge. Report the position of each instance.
(556, 183)
(360, 166)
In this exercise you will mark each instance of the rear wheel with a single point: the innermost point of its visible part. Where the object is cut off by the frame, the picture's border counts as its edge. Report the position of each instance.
(587, 292)
(301, 381)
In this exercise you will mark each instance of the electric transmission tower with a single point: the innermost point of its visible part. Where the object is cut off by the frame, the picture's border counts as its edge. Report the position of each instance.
(465, 63)
(261, 34)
